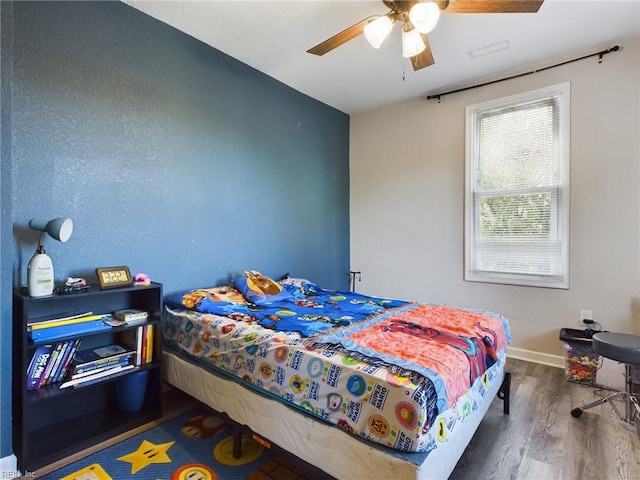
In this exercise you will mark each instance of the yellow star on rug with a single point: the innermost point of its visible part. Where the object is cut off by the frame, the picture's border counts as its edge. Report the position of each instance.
(146, 454)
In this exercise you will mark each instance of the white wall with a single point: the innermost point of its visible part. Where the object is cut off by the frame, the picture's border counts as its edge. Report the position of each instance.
(407, 198)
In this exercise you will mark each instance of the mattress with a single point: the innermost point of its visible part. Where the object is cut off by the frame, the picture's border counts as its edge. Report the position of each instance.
(364, 398)
(340, 455)
(409, 381)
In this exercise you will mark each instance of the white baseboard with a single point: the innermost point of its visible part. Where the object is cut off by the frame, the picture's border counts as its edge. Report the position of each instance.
(9, 464)
(557, 361)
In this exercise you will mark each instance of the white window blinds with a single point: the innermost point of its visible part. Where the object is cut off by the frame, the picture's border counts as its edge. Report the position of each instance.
(517, 189)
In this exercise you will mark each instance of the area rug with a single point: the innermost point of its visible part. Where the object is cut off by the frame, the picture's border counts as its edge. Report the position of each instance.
(195, 446)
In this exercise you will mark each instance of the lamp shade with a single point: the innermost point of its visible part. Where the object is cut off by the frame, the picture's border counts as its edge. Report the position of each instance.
(376, 31)
(424, 16)
(412, 43)
(58, 228)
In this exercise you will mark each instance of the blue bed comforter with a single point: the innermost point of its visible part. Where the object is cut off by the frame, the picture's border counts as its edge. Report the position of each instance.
(308, 309)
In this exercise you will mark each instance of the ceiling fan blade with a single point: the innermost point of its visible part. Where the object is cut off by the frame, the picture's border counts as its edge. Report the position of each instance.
(339, 38)
(424, 58)
(493, 6)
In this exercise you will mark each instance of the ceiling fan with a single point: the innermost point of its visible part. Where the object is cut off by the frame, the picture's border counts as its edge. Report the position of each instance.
(418, 18)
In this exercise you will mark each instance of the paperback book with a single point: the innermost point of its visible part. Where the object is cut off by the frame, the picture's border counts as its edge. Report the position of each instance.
(101, 357)
(37, 366)
(141, 341)
(50, 363)
(131, 315)
(95, 376)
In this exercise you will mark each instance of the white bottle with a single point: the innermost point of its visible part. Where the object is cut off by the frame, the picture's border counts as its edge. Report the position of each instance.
(40, 274)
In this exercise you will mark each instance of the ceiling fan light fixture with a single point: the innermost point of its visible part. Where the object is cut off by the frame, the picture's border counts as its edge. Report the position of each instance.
(412, 43)
(377, 30)
(424, 16)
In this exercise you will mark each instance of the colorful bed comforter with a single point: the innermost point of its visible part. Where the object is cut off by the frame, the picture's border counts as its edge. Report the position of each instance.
(387, 377)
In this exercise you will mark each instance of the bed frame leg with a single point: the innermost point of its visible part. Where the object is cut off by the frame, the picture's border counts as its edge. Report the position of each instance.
(237, 441)
(504, 393)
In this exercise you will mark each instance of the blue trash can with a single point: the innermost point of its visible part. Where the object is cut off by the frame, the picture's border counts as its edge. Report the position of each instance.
(130, 391)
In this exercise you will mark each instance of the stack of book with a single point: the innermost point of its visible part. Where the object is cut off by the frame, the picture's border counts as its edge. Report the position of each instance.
(50, 363)
(96, 363)
(140, 340)
(54, 327)
(131, 316)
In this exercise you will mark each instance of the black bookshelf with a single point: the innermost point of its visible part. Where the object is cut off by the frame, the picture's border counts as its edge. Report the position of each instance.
(51, 423)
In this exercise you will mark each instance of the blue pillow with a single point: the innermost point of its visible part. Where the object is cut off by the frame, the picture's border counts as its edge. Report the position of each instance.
(192, 298)
(260, 290)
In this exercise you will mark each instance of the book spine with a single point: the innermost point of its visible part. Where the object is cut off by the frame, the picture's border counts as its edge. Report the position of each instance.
(47, 370)
(68, 357)
(143, 353)
(97, 376)
(55, 354)
(140, 335)
(150, 331)
(55, 360)
(139, 321)
(92, 371)
(132, 338)
(131, 316)
(37, 366)
(123, 359)
(63, 360)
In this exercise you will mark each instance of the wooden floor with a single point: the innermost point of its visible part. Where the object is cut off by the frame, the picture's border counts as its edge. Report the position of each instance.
(540, 440)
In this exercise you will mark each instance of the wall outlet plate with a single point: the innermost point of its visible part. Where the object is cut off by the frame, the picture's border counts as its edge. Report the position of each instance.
(585, 315)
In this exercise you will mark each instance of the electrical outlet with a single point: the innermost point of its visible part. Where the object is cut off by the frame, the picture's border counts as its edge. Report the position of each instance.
(585, 315)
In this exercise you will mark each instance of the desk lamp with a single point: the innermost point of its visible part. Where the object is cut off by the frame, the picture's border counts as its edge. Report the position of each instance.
(40, 269)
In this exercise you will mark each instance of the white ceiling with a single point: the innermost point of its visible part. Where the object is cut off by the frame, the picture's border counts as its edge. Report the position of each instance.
(273, 37)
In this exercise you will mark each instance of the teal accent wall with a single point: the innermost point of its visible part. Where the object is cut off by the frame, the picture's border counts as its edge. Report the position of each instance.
(170, 157)
(6, 25)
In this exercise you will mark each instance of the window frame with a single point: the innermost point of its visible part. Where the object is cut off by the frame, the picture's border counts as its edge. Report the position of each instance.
(561, 92)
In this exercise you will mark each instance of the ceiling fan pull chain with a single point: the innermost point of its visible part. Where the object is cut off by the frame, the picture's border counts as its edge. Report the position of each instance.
(404, 71)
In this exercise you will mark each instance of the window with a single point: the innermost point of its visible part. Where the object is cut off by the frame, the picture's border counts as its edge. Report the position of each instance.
(517, 189)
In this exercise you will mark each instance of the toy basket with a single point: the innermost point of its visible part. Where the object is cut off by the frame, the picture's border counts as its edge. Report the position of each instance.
(581, 361)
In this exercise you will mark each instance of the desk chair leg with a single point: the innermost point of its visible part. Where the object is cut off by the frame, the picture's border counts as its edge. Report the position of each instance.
(631, 402)
(636, 407)
(629, 407)
(625, 349)
(577, 412)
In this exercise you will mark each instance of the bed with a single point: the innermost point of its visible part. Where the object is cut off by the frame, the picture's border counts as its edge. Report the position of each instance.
(358, 386)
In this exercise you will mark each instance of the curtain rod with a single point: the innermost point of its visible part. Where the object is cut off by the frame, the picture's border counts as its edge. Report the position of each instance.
(600, 54)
